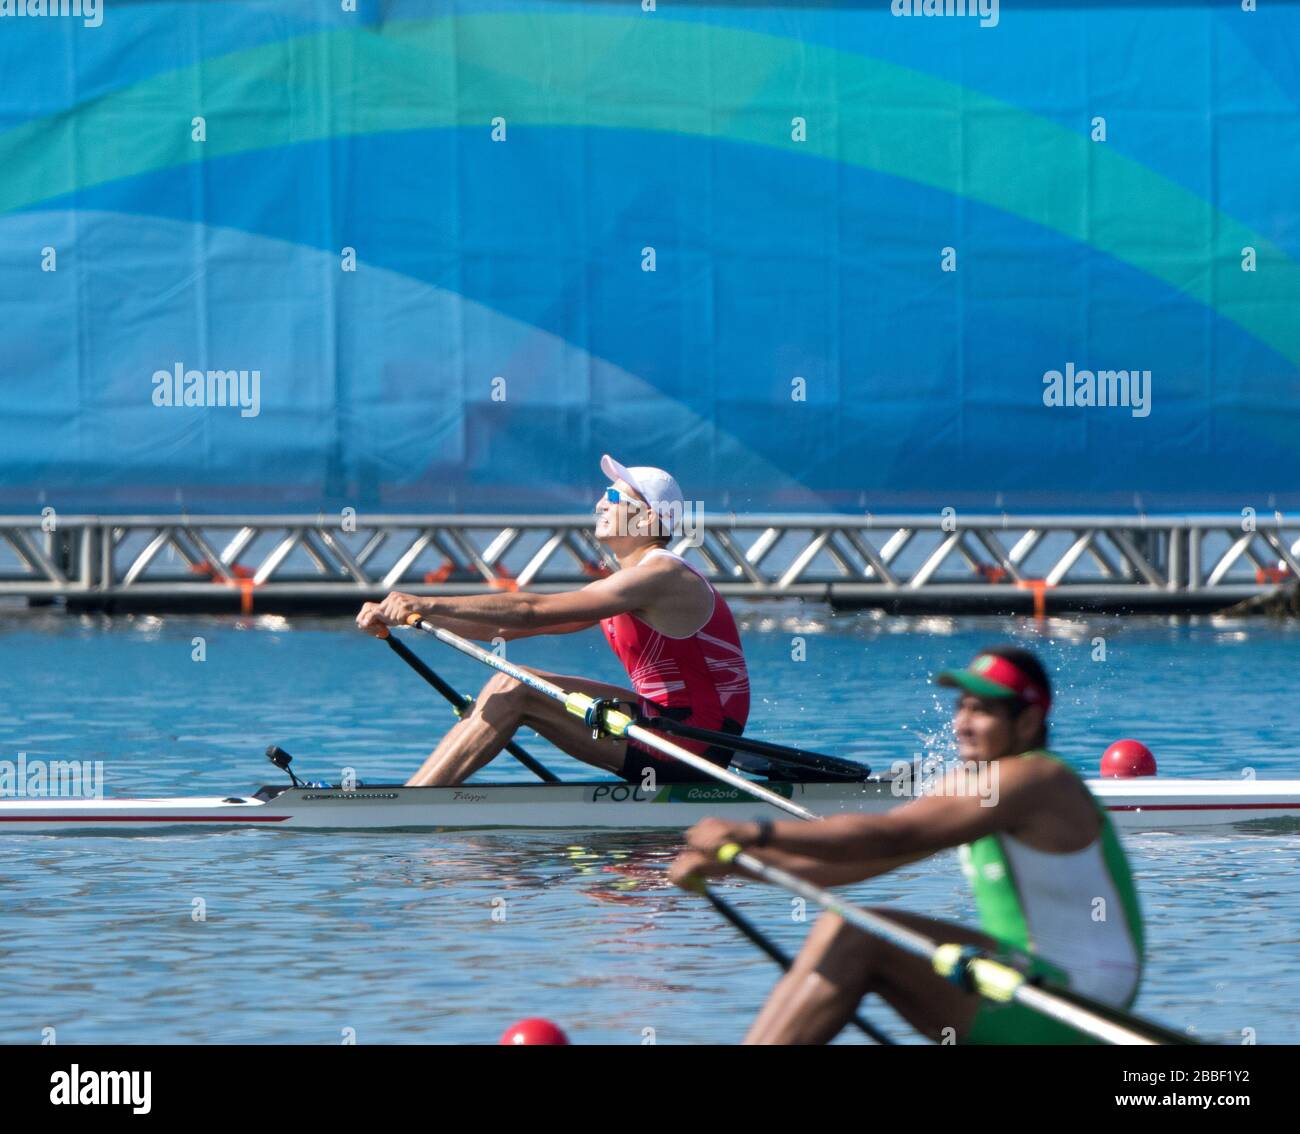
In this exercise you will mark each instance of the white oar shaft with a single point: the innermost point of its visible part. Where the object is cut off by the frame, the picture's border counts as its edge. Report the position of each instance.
(891, 931)
(1081, 1018)
(619, 724)
(993, 979)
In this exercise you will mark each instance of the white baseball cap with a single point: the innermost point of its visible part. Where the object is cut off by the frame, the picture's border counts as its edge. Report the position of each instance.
(656, 487)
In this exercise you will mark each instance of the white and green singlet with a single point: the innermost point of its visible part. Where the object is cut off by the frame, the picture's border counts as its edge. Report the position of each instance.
(1075, 914)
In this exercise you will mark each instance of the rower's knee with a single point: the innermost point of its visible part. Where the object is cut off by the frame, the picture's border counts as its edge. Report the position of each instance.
(840, 953)
(500, 691)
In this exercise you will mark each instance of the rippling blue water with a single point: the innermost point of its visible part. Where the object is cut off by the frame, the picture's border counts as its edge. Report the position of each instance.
(392, 935)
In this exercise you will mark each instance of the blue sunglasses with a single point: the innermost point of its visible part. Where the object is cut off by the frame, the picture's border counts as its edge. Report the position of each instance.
(618, 496)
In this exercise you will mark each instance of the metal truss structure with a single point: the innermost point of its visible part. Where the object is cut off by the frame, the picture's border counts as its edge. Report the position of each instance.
(907, 563)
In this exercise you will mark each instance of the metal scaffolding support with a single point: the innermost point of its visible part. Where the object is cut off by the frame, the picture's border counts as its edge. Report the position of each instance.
(913, 562)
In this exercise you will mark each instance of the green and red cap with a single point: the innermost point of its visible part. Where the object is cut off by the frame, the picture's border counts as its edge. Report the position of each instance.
(991, 675)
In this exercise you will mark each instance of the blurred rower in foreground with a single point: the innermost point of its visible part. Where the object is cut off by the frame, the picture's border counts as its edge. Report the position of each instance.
(1051, 882)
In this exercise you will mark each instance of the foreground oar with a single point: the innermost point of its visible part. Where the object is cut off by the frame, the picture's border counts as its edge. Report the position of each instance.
(601, 716)
(461, 702)
(770, 947)
(966, 966)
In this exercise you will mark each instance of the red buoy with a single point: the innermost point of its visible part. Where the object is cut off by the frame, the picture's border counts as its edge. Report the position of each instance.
(534, 1031)
(1127, 758)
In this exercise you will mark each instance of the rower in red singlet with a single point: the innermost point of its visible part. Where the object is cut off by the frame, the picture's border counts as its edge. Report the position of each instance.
(664, 621)
(699, 679)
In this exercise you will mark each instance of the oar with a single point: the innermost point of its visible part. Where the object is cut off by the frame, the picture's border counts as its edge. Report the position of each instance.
(770, 947)
(968, 967)
(601, 716)
(782, 754)
(462, 701)
(990, 978)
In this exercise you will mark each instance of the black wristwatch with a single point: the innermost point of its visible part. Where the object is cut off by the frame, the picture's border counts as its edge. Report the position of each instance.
(764, 835)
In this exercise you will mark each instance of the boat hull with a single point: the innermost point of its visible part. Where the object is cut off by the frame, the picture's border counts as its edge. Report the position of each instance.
(1154, 804)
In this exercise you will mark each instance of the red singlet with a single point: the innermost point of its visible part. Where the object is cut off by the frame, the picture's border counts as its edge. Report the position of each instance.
(700, 679)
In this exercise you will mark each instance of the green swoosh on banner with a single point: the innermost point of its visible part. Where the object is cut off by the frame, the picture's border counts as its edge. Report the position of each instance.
(647, 72)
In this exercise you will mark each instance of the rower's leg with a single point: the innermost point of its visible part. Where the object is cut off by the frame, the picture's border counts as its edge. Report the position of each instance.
(839, 965)
(504, 705)
(476, 738)
(821, 990)
(933, 1005)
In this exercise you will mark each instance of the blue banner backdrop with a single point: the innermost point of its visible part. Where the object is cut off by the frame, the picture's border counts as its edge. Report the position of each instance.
(809, 257)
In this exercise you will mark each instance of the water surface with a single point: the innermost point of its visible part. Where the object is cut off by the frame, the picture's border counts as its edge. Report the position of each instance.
(259, 936)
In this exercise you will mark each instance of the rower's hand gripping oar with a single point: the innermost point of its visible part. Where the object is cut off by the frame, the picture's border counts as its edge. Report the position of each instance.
(461, 702)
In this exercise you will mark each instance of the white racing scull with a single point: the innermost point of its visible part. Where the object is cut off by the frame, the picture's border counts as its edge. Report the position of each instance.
(1156, 804)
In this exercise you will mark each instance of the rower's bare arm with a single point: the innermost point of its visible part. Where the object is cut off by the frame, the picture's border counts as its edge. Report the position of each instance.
(621, 593)
(822, 873)
(488, 632)
(863, 846)
(520, 614)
